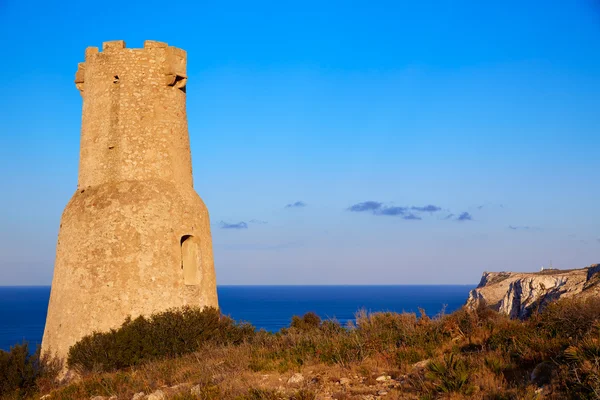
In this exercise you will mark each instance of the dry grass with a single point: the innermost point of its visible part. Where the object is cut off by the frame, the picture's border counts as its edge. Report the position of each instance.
(474, 355)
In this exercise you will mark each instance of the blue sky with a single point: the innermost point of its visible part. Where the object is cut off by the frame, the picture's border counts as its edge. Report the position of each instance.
(385, 108)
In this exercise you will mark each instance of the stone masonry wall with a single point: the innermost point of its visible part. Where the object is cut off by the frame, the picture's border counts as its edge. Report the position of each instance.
(135, 237)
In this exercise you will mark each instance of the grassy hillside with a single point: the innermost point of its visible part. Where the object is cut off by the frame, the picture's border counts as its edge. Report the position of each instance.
(193, 354)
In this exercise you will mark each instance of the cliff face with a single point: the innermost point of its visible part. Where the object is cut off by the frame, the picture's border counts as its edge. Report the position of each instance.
(518, 294)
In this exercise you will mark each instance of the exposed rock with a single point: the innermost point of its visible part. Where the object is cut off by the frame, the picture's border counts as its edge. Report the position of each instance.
(196, 390)
(383, 378)
(157, 395)
(518, 294)
(296, 378)
(543, 391)
(421, 364)
(138, 396)
(179, 387)
(44, 397)
(344, 381)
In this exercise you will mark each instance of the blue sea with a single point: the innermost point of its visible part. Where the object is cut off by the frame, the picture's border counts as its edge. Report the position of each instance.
(23, 309)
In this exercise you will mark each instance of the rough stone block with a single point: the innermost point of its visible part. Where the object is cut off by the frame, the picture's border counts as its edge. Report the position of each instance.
(153, 44)
(113, 45)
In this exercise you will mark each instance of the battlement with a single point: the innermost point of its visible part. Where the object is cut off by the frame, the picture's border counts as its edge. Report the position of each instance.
(116, 45)
(116, 56)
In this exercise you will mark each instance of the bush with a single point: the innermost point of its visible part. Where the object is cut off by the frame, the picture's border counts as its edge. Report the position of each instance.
(21, 370)
(451, 374)
(568, 318)
(307, 322)
(386, 330)
(167, 334)
(581, 375)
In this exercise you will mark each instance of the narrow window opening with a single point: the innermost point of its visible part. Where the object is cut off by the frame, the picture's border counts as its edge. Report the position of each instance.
(116, 79)
(190, 259)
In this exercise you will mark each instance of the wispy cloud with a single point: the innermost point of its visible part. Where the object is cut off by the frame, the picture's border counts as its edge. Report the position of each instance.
(365, 206)
(464, 216)
(429, 208)
(391, 211)
(398, 211)
(408, 212)
(239, 225)
(377, 208)
(518, 228)
(258, 221)
(296, 204)
(489, 205)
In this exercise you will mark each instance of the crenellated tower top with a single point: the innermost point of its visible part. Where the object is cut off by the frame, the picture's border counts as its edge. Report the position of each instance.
(172, 60)
(134, 124)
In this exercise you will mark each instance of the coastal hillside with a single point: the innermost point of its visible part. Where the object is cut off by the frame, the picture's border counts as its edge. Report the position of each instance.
(200, 354)
(519, 294)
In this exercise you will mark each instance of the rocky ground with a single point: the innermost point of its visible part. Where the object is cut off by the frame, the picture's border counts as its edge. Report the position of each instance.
(321, 383)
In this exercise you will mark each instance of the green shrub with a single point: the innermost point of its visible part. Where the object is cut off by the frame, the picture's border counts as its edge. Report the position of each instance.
(568, 318)
(409, 355)
(331, 327)
(581, 375)
(385, 330)
(510, 337)
(342, 349)
(20, 371)
(167, 334)
(449, 375)
(307, 322)
(495, 363)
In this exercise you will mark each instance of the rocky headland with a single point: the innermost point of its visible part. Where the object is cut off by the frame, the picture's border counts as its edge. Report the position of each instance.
(518, 294)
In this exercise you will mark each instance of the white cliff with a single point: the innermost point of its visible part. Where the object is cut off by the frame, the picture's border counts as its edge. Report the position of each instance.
(518, 294)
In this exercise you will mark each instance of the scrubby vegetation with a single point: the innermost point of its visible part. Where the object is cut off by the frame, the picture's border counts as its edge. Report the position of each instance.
(199, 354)
(168, 334)
(23, 374)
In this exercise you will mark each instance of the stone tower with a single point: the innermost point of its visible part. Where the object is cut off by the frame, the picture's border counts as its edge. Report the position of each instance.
(135, 237)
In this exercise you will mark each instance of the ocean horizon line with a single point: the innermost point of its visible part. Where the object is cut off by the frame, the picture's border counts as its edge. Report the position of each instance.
(297, 285)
